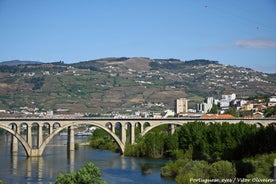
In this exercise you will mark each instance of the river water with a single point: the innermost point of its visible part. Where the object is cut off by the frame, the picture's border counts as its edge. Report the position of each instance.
(115, 168)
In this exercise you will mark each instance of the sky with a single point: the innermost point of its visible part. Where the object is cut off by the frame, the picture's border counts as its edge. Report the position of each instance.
(233, 32)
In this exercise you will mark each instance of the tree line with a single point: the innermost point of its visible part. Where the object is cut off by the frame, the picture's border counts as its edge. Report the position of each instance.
(200, 150)
(220, 141)
(209, 142)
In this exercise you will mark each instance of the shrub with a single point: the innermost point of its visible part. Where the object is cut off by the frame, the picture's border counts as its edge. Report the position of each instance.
(86, 175)
(222, 169)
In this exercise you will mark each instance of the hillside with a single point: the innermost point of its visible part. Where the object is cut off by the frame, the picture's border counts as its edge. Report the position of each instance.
(19, 62)
(125, 84)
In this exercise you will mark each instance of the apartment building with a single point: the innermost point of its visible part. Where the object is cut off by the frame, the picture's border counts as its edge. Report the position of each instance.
(181, 105)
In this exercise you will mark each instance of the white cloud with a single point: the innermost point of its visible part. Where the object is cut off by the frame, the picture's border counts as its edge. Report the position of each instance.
(255, 43)
(243, 43)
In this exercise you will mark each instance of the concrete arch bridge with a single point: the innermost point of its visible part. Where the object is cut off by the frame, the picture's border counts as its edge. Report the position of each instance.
(45, 129)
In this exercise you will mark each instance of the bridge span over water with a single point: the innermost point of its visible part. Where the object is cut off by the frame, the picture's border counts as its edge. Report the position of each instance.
(46, 129)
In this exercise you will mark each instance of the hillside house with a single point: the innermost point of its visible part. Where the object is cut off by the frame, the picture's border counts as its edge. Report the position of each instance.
(272, 101)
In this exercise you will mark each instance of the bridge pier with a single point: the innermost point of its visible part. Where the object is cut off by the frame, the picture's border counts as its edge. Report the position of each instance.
(132, 134)
(172, 128)
(123, 133)
(34, 153)
(70, 139)
(29, 135)
(14, 144)
(39, 136)
(113, 128)
(141, 128)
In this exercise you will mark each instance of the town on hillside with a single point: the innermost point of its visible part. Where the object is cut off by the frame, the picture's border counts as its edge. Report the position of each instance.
(229, 106)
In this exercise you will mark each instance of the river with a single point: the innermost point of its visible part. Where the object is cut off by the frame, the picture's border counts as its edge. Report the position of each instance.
(115, 168)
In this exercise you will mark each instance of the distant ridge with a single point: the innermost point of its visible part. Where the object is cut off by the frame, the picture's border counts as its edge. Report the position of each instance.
(124, 84)
(19, 62)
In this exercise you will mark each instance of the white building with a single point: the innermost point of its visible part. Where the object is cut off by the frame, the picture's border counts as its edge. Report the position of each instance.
(229, 97)
(272, 101)
(209, 100)
(181, 105)
(167, 113)
(224, 103)
(205, 107)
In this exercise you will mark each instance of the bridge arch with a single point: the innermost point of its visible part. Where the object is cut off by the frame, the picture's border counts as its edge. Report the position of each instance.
(14, 126)
(18, 137)
(210, 123)
(258, 124)
(106, 129)
(138, 125)
(273, 124)
(47, 126)
(56, 125)
(145, 125)
(109, 125)
(147, 129)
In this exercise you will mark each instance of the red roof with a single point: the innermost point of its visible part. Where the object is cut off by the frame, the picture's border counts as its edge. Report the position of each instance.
(217, 116)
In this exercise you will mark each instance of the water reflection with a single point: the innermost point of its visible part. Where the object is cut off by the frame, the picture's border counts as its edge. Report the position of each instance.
(14, 163)
(18, 168)
(34, 167)
(71, 160)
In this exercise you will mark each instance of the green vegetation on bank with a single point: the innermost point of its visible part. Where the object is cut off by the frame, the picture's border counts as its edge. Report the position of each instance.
(209, 142)
(205, 151)
(183, 169)
(157, 143)
(222, 151)
(86, 175)
(102, 140)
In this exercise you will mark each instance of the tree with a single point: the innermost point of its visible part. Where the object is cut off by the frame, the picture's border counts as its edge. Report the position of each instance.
(214, 109)
(233, 111)
(102, 140)
(87, 175)
(222, 169)
(171, 144)
(270, 111)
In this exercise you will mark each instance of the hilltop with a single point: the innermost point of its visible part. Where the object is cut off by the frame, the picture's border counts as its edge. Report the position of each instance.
(124, 84)
(19, 62)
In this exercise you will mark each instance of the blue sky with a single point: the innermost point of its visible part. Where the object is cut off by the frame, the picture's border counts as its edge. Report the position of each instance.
(241, 33)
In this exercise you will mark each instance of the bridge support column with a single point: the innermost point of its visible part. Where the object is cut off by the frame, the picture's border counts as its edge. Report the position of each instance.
(39, 136)
(35, 153)
(29, 136)
(132, 139)
(172, 129)
(50, 129)
(71, 139)
(123, 133)
(14, 146)
(71, 157)
(113, 128)
(141, 128)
